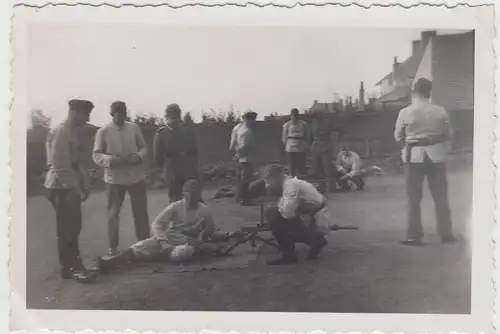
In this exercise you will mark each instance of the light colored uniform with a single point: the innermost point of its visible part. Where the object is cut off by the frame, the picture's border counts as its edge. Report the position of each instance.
(301, 196)
(242, 140)
(112, 140)
(176, 225)
(420, 120)
(295, 136)
(352, 165)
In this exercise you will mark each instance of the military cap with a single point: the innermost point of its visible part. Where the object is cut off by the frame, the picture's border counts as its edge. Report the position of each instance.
(173, 110)
(423, 86)
(117, 107)
(191, 184)
(81, 105)
(250, 115)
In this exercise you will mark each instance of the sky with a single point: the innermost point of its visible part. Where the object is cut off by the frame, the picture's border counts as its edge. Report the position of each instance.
(266, 69)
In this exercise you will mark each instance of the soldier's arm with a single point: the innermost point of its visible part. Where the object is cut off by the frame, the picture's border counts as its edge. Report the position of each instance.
(158, 150)
(99, 155)
(399, 129)
(160, 223)
(289, 202)
(284, 133)
(233, 141)
(447, 127)
(193, 145)
(141, 143)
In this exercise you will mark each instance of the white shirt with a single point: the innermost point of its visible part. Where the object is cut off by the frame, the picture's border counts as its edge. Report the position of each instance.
(298, 194)
(351, 164)
(177, 219)
(113, 140)
(419, 120)
(295, 136)
(242, 141)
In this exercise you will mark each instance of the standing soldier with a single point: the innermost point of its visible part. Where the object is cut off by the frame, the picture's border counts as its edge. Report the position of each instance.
(121, 150)
(243, 147)
(176, 152)
(296, 137)
(68, 186)
(425, 130)
(322, 150)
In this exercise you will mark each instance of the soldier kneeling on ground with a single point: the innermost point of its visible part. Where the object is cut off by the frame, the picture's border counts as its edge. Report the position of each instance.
(300, 215)
(178, 232)
(350, 169)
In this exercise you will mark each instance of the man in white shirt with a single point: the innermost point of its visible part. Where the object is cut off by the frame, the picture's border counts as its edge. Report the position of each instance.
(67, 185)
(296, 138)
(243, 146)
(425, 131)
(121, 150)
(178, 229)
(350, 168)
(287, 222)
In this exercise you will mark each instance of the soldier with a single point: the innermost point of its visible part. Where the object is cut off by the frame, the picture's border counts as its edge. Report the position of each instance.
(175, 152)
(121, 150)
(425, 131)
(295, 137)
(243, 146)
(322, 149)
(68, 186)
(350, 168)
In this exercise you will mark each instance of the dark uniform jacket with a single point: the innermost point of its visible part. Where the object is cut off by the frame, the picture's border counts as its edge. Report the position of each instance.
(175, 152)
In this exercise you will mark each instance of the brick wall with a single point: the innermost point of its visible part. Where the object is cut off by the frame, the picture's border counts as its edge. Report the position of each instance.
(370, 134)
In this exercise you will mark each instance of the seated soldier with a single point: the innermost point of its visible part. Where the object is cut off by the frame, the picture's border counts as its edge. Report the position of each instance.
(350, 168)
(177, 232)
(298, 198)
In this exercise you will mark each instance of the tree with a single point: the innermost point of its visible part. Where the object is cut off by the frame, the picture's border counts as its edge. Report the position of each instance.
(40, 120)
(188, 119)
(231, 118)
(207, 118)
(149, 119)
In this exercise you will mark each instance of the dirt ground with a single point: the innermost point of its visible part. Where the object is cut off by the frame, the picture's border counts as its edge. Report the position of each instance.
(365, 271)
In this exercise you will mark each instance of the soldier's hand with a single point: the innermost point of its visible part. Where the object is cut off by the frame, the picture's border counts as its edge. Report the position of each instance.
(116, 162)
(84, 194)
(133, 159)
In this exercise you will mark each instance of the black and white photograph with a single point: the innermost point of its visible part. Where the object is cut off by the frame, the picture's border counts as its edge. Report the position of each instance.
(215, 160)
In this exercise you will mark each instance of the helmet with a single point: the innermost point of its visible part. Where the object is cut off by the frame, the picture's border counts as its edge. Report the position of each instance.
(182, 253)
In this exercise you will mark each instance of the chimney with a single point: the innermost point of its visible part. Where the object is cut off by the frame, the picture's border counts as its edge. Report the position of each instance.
(426, 36)
(394, 67)
(415, 46)
(362, 96)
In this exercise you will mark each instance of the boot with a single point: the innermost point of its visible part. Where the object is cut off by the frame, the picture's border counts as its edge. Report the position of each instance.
(287, 246)
(105, 264)
(79, 273)
(316, 245)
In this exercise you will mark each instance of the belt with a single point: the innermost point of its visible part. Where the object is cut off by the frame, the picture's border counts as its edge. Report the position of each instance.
(410, 146)
(298, 138)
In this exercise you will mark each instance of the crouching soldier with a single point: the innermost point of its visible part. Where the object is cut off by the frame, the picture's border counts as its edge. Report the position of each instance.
(296, 218)
(177, 232)
(350, 168)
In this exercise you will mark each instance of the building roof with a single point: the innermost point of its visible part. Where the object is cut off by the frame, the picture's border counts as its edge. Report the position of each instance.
(397, 94)
(453, 71)
(322, 107)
